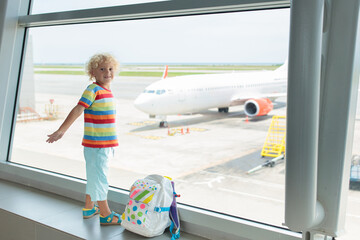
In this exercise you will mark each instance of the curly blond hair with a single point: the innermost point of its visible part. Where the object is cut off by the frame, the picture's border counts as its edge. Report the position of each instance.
(97, 59)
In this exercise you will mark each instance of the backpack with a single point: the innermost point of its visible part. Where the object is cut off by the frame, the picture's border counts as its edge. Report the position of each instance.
(152, 207)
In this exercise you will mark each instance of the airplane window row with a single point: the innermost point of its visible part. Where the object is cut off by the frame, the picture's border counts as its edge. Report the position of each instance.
(162, 91)
(158, 92)
(149, 91)
(227, 87)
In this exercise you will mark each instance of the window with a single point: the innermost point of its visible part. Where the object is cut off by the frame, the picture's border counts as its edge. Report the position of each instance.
(353, 211)
(159, 92)
(45, 99)
(149, 91)
(209, 159)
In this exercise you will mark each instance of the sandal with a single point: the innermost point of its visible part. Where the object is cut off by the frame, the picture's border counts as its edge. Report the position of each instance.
(108, 220)
(88, 213)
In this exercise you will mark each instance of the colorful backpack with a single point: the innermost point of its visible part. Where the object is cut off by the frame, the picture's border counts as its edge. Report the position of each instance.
(152, 207)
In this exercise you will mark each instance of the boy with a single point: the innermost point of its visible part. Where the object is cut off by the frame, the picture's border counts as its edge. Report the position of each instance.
(97, 103)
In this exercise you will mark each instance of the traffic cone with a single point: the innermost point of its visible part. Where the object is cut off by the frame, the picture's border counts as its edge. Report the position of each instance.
(187, 130)
(247, 119)
(182, 130)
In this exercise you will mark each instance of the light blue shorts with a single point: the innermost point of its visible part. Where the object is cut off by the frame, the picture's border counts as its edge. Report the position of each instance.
(97, 168)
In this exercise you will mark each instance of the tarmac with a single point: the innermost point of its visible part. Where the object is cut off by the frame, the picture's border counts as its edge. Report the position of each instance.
(207, 154)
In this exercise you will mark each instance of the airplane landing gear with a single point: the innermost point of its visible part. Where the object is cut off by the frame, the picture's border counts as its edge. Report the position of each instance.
(225, 109)
(163, 124)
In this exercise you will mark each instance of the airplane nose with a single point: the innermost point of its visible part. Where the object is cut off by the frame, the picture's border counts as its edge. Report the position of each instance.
(142, 103)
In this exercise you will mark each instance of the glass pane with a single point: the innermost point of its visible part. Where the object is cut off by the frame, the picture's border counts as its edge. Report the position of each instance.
(208, 153)
(353, 207)
(44, 6)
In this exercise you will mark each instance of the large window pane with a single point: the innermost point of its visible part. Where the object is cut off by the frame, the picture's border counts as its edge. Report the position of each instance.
(353, 208)
(208, 153)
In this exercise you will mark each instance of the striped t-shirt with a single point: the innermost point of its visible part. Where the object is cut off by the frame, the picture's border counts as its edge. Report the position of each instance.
(99, 115)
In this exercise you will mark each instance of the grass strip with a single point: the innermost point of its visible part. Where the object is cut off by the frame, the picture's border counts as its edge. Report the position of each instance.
(174, 67)
(124, 73)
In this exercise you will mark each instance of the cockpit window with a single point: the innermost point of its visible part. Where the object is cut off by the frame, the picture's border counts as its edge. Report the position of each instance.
(149, 91)
(160, 91)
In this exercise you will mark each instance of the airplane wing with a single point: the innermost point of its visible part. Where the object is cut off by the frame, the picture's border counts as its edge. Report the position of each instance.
(240, 100)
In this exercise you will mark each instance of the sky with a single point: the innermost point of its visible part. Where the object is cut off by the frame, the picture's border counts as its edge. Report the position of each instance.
(245, 37)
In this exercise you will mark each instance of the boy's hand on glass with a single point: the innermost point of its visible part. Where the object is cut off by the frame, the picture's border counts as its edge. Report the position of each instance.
(55, 136)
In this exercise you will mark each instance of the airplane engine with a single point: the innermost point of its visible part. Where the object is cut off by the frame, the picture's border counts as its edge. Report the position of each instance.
(258, 107)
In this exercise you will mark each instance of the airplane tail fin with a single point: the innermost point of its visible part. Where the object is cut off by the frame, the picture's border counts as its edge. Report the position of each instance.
(165, 72)
(282, 68)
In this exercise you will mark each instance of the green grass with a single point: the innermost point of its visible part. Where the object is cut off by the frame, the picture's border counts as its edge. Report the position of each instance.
(155, 74)
(207, 67)
(124, 73)
(155, 70)
(236, 68)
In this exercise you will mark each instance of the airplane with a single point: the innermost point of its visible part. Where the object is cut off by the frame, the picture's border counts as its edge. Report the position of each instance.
(194, 93)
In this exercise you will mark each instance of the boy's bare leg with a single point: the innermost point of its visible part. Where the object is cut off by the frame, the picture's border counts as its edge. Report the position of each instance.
(88, 203)
(105, 210)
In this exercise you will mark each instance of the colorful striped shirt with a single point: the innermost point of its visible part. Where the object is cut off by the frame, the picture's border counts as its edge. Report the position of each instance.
(99, 116)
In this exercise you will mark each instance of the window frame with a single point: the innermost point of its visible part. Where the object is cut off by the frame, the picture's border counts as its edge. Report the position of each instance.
(13, 37)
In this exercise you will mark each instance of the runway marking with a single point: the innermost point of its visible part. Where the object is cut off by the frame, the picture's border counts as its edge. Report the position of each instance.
(354, 199)
(214, 164)
(146, 137)
(354, 216)
(249, 180)
(252, 195)
(211, 181)
(143, 123)
(152, 137)
(198, 129)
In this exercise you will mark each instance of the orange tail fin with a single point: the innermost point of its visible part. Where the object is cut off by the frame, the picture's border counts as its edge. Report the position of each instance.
(165, 72)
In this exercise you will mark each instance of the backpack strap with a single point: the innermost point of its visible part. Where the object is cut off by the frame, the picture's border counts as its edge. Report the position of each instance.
(162, 209)
(175, 235)
(174, 216)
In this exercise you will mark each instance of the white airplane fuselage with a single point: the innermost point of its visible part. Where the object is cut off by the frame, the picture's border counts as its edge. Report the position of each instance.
(195, 93)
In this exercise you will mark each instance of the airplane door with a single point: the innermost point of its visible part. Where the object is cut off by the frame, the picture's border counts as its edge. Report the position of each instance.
(181, 96)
